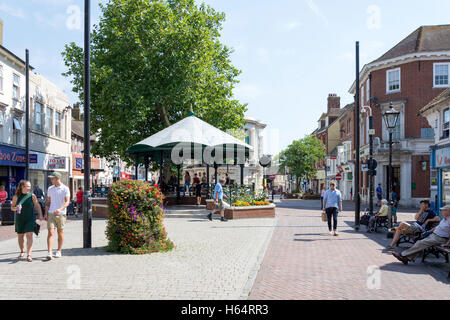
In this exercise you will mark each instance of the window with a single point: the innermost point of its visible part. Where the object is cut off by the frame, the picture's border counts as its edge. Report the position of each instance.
(393, 80)
(362, 97)
(48, 121)
(2, 123)
(446, 124)
(17, 131)
(1, 78)
(16, 87)
(38, 116)
(441, 71)
(57, 124)
(396, 134)
(368, 90)
(349, 125)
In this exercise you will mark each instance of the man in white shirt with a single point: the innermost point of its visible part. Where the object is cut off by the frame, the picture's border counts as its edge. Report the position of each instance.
(58, 199)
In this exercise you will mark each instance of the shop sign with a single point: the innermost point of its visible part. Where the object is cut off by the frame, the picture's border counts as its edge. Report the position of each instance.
(79, 163)
(15, 157)
(124, 175)
(57, 163)
(442, 158)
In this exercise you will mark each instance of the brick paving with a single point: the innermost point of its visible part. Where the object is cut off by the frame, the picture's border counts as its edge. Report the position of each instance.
(212, 260)
(303, 262)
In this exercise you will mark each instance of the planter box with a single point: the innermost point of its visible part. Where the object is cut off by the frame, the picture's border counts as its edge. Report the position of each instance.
(99, 208)
(172, 201)
(250, 212)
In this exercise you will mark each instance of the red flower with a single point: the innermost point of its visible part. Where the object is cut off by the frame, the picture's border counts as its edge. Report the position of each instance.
(156, 186)
(115, 206)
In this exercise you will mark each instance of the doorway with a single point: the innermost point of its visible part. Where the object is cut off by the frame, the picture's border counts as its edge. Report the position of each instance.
(395, 179)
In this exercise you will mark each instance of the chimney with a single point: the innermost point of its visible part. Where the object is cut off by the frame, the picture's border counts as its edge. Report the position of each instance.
(76, 115)
(1, 32)
(334, 102)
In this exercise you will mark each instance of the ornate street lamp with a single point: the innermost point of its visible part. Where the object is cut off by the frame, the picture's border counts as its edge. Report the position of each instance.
(390, 117)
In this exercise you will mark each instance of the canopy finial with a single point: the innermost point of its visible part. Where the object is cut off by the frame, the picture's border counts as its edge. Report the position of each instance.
(191, 111)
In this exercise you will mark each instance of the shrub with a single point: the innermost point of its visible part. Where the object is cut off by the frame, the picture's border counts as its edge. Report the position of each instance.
(135, 219)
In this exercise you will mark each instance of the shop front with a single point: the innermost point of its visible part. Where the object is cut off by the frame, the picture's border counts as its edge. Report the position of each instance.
(440, 163)
(47, 163)
(12, 168)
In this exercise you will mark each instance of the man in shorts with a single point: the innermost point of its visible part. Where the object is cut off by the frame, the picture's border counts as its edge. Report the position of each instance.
(58, 199)
(218, 197)
(423, 218)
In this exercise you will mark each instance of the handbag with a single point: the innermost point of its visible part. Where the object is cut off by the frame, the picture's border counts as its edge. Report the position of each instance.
(324, 217)
(37, 228)
(364, 220)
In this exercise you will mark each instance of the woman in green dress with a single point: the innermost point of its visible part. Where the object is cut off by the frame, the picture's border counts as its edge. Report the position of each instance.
(23, 203)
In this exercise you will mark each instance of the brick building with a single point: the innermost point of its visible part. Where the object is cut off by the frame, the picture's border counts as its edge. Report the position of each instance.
(408, 76)
(345, 152)
(328, 132)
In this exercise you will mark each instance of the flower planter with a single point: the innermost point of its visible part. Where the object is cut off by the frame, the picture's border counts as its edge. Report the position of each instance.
(267, 211)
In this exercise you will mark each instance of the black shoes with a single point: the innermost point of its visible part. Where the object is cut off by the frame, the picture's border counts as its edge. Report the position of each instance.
(223, 219)
(210, 217)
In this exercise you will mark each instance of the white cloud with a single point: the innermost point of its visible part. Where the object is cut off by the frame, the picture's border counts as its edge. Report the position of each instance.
(248, 92)
(12, 11)
(292, 25)
(315, 8)
(53, 3)
(55, 21)
(369, 51)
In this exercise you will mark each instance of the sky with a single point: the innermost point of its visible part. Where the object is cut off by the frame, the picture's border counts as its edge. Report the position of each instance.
(292, 53)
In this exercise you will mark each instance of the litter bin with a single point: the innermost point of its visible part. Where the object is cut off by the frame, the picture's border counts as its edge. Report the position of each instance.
(7, 213)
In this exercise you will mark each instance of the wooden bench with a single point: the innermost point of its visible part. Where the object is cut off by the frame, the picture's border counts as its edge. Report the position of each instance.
(413, 238)
(437, 251)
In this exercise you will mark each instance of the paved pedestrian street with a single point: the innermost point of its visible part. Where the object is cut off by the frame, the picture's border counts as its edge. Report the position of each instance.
(291, 257)
(212, 260)
(304, 262)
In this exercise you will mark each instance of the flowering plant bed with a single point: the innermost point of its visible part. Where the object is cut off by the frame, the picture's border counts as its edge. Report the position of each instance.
(251, 203)
(135, 221)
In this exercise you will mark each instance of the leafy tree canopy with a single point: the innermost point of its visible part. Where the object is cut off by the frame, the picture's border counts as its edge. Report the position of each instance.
(151, 60)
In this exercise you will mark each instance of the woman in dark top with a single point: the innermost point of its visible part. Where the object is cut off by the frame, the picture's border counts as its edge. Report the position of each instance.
(23, 203)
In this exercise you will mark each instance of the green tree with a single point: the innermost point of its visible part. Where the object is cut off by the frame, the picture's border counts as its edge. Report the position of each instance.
(300, 156)
(151, 60)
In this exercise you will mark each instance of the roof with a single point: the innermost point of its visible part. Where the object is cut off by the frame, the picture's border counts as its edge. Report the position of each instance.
(444, 96)
(78, 129)
(423, 39)
(189, 130)
(15, 57)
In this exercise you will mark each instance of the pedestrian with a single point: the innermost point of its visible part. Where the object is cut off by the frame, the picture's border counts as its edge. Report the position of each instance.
(79, 200)
(218, 200)
(440, 236)
(322, 194)
(173, 182)
(187, 183)
(332, 202)
(3, 194)
(198, 191)
(227, 179)
(394, 206)
(23, 203)
(58, 199)
(379, 191)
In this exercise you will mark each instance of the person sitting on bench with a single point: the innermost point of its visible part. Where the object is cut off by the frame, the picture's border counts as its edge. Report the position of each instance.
(384, 211)
(439, 237)
(423, 218)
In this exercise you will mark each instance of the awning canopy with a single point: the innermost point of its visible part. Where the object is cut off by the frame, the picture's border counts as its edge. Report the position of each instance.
(193, 133)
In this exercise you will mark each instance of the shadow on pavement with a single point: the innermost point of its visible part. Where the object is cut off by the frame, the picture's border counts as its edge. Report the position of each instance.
(417, 268)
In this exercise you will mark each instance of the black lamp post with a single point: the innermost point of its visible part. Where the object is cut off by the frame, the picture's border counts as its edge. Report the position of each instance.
(390, 118)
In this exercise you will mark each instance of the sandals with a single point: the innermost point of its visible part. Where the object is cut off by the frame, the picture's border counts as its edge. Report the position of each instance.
(29, 259)
(21, 255)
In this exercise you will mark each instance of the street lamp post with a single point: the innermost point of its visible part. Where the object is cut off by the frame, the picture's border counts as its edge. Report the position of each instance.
(390, 118)
(87, 201)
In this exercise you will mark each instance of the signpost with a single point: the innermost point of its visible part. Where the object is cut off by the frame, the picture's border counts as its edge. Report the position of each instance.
(338, 177)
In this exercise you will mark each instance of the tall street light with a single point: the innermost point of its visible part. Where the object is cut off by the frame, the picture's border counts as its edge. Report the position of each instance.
(87, 201)
(390, 118)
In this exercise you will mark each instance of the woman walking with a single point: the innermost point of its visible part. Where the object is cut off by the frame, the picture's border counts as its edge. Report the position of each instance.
(23, 203)
(187, 183)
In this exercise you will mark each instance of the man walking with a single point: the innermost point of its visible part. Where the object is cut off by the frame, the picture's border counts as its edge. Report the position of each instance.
(379, 195)
(79, 200)
(58, 199)
(332, 201)
(218, 197)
